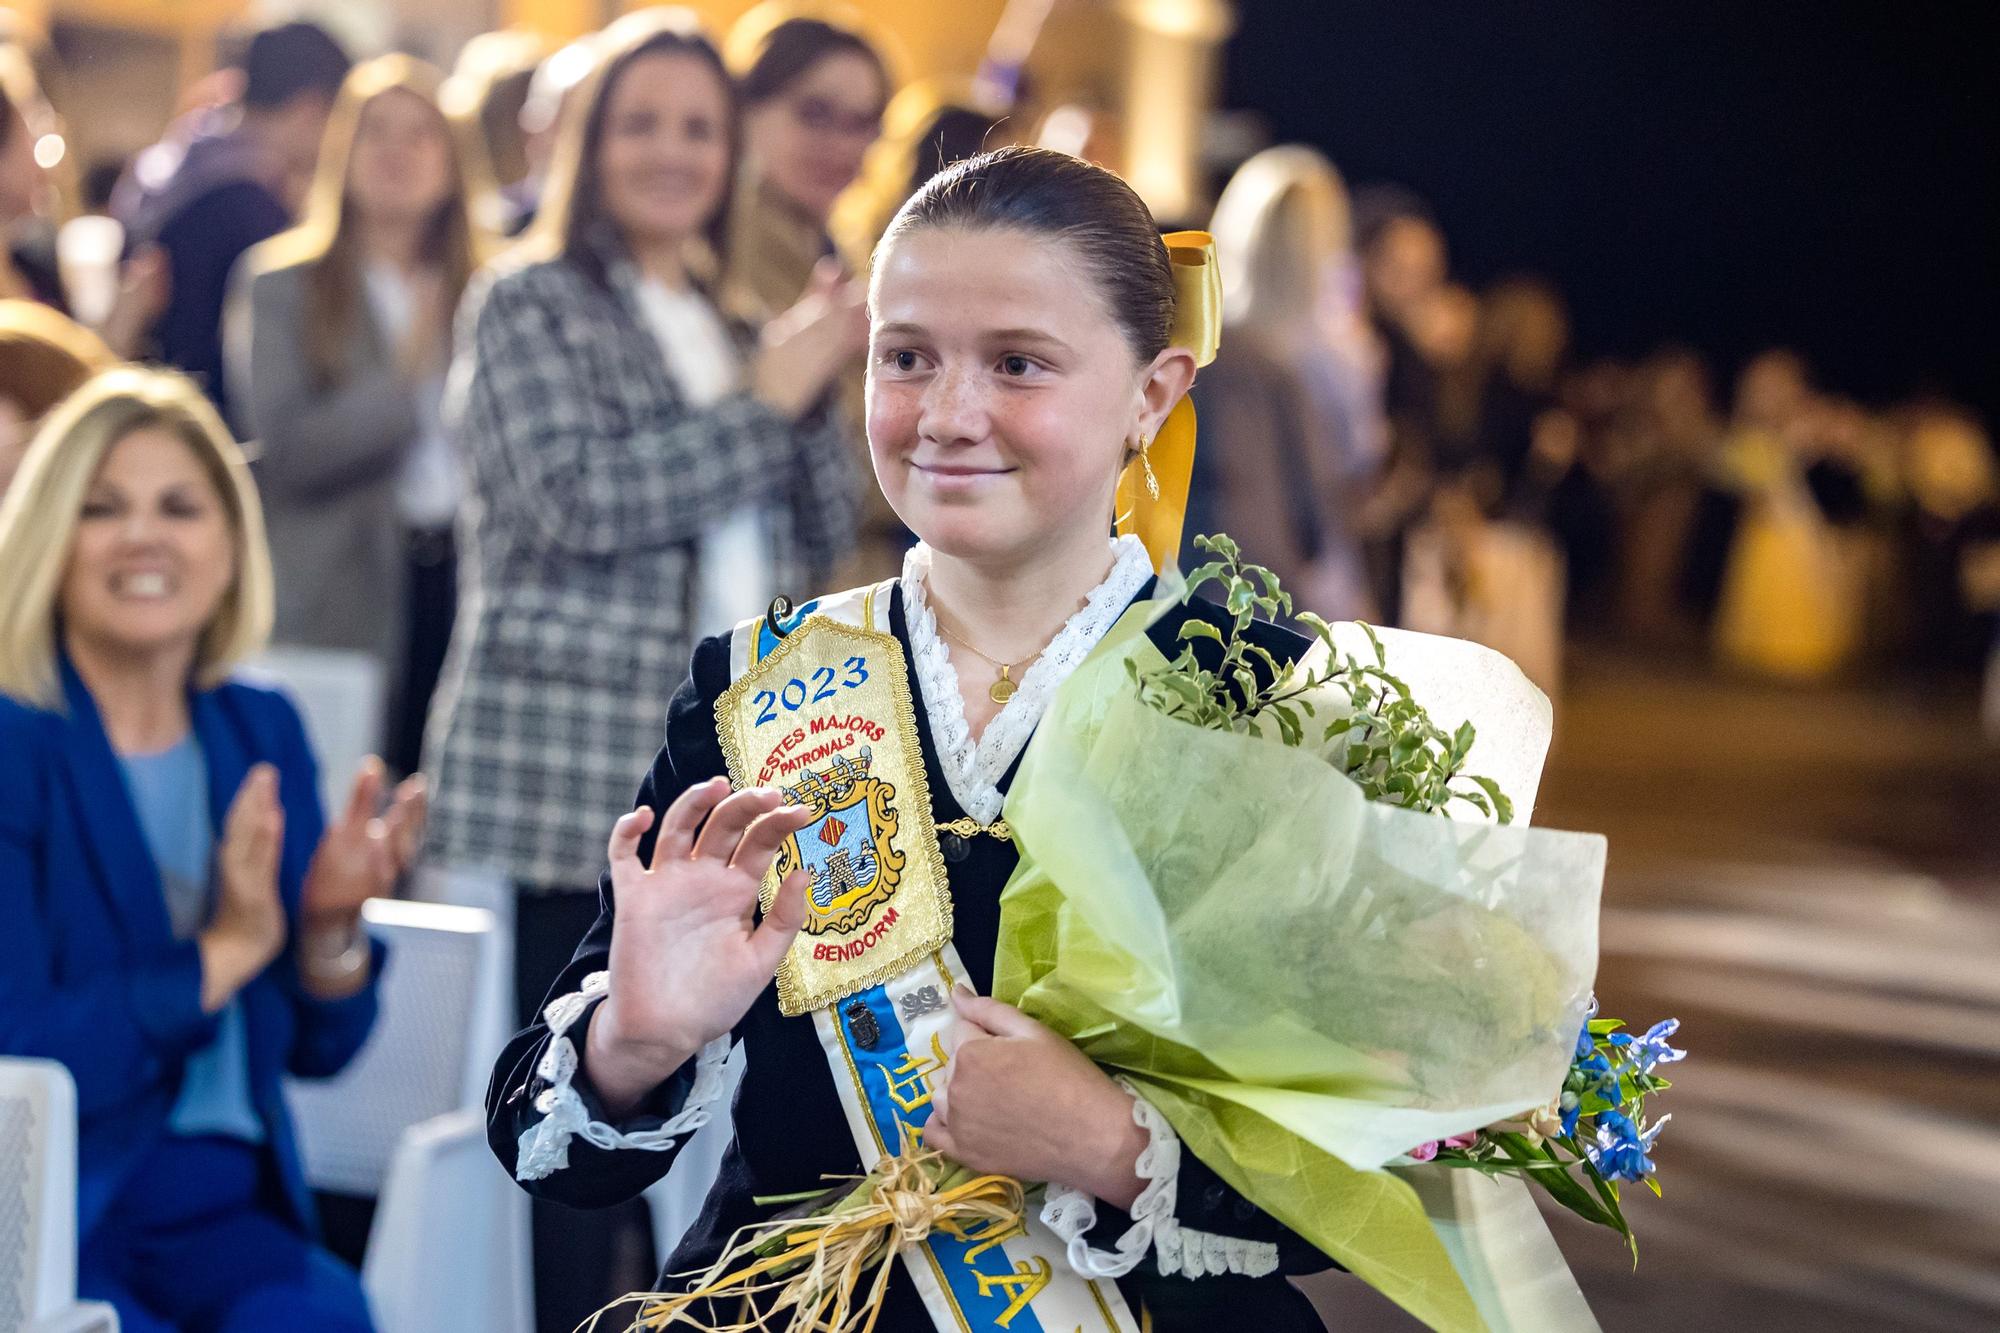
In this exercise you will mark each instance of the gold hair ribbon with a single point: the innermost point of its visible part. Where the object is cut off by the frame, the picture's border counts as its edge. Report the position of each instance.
(1198, 328)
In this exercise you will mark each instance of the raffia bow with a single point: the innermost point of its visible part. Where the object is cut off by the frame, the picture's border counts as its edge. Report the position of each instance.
(806, 1272)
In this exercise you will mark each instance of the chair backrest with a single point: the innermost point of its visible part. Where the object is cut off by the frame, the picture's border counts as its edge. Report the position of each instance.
(37, 1190)
(449, 1248)
(444, 1015)
(340, 695)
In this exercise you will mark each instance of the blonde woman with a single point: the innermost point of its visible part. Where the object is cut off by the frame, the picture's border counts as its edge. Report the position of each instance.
(182, 924)
(1292, 424)
(340, 364)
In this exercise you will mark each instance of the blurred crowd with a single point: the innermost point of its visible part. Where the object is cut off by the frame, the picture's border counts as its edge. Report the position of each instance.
(553, 363)
(1446, 464)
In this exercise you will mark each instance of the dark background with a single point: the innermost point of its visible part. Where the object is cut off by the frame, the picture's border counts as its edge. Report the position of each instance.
(1730, 175)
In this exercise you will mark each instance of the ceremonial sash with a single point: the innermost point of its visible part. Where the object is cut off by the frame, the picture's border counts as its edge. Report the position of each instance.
(825, 713)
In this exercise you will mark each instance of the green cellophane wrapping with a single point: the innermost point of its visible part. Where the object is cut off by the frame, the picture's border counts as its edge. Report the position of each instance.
(1306, 983)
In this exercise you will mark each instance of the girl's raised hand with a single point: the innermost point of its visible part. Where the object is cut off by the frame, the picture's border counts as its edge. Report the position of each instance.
(688, 955)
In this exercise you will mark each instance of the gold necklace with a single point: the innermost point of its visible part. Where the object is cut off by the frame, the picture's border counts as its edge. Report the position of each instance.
(1001, 690)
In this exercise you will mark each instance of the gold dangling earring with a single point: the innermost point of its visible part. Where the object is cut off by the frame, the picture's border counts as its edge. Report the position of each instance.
(1146, 463)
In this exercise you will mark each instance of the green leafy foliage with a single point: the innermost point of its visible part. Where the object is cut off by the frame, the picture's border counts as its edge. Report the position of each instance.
(1388, 743)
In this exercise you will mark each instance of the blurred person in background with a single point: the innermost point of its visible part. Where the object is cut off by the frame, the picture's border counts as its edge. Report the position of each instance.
(1293, 435)
(44, 357)
(338, 349)
(1403, 269)
(183, 928)
(1403, 266)
(1951, 531)
(1517, 356)
(1443, 326)
(32, 261)
(27, 260)
(238, 182)
(1658, 486)
(1477, 562)
(484, 96)
(610, 414)
(1529, 446)
(813, 96)
(1770, 400)
(1788, 599)
(814, 90)
(549, 90)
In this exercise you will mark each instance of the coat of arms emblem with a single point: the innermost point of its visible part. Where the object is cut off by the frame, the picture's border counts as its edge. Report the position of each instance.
(849, 849)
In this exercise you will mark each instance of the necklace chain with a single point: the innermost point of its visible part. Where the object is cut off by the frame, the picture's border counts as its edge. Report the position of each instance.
(988, 657)
(1002, 689)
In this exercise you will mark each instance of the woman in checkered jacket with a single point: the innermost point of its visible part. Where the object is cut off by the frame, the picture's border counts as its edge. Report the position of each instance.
(642, 472)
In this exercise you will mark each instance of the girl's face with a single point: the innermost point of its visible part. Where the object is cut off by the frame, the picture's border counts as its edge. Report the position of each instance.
(401, 169)
(153, 552)
(1002, 395)
(663, 156)
(810, 140)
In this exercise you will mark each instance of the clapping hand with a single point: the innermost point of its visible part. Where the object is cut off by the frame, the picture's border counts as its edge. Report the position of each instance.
(807, 345)
(363, 854)
(248, 929)
(688, 956)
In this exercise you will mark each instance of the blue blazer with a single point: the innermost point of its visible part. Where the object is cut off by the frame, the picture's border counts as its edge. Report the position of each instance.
(90, 973)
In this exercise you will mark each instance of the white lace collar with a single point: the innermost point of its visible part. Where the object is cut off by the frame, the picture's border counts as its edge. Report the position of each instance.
(973, 772)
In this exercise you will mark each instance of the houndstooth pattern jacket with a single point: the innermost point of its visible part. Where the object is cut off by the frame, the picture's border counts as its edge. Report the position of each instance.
(590, 479)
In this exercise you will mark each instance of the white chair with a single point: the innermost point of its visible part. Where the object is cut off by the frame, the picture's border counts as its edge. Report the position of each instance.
(340, 695)
(38, 1204)
(449, 1247)
(403, 1123)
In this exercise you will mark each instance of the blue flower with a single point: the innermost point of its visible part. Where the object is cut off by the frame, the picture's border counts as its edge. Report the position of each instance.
(1572, 1106)
(1620, 1149)
(1595, 1073)
(1585, 1043)
(1643, 1053)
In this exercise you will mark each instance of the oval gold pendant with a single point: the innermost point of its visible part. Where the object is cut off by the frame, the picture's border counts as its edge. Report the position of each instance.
(1001, 690)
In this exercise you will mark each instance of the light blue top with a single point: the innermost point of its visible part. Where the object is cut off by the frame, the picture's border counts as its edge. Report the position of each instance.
(170, 791)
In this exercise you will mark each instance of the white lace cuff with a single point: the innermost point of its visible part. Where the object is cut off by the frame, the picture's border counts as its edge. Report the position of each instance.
(1194, 1253)
(545, 1144)
(1071, 1213)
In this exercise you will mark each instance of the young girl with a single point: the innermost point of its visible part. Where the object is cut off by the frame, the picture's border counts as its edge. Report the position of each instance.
(1020, 359)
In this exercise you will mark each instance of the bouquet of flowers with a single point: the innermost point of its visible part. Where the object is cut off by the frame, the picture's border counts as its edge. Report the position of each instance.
(1235, 891)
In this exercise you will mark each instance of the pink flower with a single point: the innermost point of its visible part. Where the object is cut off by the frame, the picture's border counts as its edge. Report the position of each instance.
(1424, 1152)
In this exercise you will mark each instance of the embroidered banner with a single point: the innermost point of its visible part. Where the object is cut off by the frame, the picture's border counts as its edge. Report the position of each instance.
(826, 716)
(882, 1009)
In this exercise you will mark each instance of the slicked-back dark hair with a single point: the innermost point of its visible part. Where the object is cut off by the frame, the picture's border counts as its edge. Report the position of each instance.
(1046, 193)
